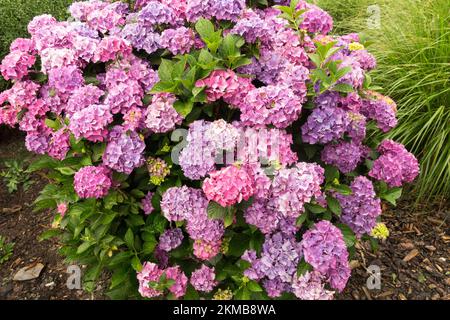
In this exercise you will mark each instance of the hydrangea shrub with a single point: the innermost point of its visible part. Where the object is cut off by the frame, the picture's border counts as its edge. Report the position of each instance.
(206, 149)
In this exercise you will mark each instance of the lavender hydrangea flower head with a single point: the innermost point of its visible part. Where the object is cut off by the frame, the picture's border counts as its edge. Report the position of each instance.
(227, 9)
(261, 216)
(124, 150)
(197, 159)
(141, 37)
(154, 13)
(324, 249)
(83, 97)
(178, 203)
(324, 125)
(178, 41)
(197, 9)
(292, 188)
(278, 263)
(171, 239)
(92, 182)
(203, 279)
(361, 209)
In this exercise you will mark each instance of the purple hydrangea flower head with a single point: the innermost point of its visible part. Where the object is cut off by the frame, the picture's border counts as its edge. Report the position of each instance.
(316, 20)
(178, 203)
(361, 209)
(197, 9)
(171, 239)
(324, 249)
(65, 79)
(262, 217)
(381, 109)
(324, 125)
(83, 97)
(124, 150)
(92, 182)
(141, 37)
(395, 166)
(203, 279)
(344, 155)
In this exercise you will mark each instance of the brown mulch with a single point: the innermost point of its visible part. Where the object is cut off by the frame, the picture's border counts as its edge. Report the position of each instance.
(414, 260)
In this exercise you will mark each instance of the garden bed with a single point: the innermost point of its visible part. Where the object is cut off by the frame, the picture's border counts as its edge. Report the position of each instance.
(422, 228)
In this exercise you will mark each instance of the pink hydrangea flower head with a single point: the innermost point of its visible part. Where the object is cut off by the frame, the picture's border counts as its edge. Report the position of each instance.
(277, 105)
(16, 64)
(62, 208)
(146, 203)
(203, 279)
(395, 166)
(161, 115)
(229, 186)
(310, 286)
(91, 122)
(92, 182)
(205, 250)
(111, 48)
(178, 289)
(59, 144)
(150, 273)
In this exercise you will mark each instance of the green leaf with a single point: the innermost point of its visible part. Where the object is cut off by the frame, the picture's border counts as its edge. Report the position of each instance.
(49, 234)
(392, 195)
(238, 244)
(164, 86)
(348, 234)
(84, 246)
(343, 189)
(54, 124)
(301, 219)
(165, 70)
(303, 267)
(334, 205)
(136, 264)
(254, 286)
(315, 208)
(331, 174)
(66, 171)
(343, 87)
(183, 107)
(216, 211)
(205, 29)
(129, 238)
